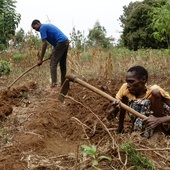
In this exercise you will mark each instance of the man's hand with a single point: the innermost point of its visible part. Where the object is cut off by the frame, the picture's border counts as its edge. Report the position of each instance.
(51, 55)
(40, 62)
(152, 121)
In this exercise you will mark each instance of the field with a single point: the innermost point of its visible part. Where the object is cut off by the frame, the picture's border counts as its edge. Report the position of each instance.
(42, 133)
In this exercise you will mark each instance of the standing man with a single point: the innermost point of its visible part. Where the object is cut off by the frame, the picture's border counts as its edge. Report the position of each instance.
(51, 34)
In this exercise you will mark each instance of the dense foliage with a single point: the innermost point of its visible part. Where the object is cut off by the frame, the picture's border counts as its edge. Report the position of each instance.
(97, 36)
(77, 39)
(9, 21)
(138, 25)
(4, 68)
(161, 20)
(145, 25)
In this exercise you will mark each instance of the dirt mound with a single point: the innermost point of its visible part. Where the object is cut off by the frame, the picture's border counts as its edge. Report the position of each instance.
(10, 97)
(40, 132)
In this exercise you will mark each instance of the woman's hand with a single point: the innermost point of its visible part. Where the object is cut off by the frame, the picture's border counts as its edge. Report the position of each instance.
(115, 106)
(152, 121)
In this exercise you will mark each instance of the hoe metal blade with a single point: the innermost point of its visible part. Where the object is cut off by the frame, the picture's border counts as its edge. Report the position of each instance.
(64, 90)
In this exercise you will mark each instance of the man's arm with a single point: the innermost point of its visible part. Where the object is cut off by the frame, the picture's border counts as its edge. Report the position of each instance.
(43, 50)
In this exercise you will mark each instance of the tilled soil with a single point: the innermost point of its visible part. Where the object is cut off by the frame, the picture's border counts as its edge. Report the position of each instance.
(38, 132)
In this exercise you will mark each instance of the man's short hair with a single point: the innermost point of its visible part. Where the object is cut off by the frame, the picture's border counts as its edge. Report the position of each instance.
(34, 22)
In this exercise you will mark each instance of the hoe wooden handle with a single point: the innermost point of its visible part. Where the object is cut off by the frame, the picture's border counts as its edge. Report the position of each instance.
(25, 73)
(105, 95)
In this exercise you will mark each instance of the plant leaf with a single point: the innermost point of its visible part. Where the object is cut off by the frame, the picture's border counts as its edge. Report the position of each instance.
(90, 152)
(95, 163)
(86, 147)
(94, 148)
(105, 157)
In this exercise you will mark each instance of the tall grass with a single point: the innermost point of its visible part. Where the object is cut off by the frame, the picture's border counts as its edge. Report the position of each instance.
(94, 63)
(113, 64)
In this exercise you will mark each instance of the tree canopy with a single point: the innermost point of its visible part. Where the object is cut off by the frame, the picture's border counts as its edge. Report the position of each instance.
(138, 25)
(160, 21)
(97, 36)
(9, 21)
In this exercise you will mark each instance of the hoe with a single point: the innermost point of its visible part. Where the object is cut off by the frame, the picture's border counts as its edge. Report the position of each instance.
(25, 73)
(65, 88)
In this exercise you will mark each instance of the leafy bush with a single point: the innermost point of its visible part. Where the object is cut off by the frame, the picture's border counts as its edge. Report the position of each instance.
(17, 57)
(2, 47)
(136, 158)
(4, 68)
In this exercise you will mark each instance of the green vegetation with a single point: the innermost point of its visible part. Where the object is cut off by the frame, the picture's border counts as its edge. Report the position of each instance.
(9, 21)
(77, 39)
(105, 65)
(145, 41)
(97, 36)
(142, 22)
(4, 68)
(92, 151)
(24, 94)
(136, 158)
(4, 138)
(17, 57)
(160, 21)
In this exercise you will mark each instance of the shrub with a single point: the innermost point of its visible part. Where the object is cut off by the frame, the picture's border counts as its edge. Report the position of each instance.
(136, 158)
(4, 68)
(17, 57)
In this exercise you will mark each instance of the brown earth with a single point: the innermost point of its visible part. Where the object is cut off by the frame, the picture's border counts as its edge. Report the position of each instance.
(38, 132)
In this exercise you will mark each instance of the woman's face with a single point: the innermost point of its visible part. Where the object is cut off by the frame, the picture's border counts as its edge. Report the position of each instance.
(135, 84)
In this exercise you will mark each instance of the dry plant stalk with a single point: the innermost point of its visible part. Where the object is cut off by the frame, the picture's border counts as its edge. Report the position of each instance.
(107, 130)
(114, 143)
(108, 69)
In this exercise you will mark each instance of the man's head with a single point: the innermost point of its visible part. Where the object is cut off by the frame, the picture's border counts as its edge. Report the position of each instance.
(136, 78)
(36, 24)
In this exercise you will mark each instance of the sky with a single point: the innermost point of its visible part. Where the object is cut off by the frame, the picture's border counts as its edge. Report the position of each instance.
(66, 14)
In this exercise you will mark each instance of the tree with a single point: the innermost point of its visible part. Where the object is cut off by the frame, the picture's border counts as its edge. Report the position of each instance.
(97, 36)
(9, 20)
(160, 22)
(77, 39)
(134, 33)
(19, 37)
(137, 27)
(126, 12)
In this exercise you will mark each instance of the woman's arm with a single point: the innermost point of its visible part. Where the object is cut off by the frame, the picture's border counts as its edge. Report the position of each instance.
(152, 121)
